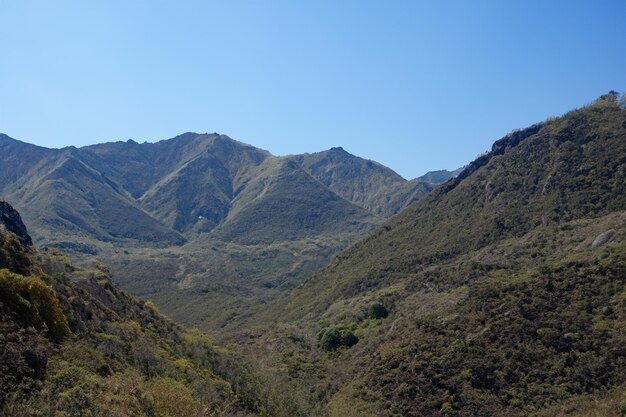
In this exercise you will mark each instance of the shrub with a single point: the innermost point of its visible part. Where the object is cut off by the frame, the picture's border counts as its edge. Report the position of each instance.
(378, 311)
(34, 303)
(333, 339)
(348, 338)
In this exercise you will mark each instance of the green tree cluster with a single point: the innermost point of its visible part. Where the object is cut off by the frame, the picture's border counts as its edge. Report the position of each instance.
(377, 311)
(332, 339)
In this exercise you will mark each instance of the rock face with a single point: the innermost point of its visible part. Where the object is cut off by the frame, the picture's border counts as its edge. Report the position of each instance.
(11, 221)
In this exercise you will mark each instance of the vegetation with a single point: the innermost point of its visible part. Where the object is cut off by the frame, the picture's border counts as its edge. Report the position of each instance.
(33, 304)
(502, 303)
(365, 183)
(334, 338)
(212, 228)
(378, 311)
(499, 293)
(73, 344)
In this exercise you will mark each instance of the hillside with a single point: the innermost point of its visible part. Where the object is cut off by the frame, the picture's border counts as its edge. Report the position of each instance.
(500, 293)
(200, 219)
(199, 193)
(73, 343)
(367, 184)
(553, 172)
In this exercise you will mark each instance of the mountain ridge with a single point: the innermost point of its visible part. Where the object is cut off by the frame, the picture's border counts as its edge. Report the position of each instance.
(139, 206)
(501, 291)
(130, 170)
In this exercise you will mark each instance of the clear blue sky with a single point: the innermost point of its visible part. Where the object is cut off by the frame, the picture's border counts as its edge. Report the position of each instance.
(416, 85)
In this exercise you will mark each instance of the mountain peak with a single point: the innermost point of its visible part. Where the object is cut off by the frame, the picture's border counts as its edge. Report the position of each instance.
(337, 149)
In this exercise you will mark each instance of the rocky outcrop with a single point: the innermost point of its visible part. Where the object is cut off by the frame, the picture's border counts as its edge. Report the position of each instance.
(511, 140)
(11, 221)
(602, 239)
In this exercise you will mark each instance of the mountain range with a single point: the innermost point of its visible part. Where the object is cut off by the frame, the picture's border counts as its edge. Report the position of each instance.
(201, 218)
(499, 293)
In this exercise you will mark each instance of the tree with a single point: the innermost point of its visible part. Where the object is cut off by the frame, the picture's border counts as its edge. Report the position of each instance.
(378, 311)
(331, 340)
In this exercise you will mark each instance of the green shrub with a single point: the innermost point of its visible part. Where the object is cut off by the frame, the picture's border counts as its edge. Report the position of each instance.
(378, 311)
(332, 339)
(34, 303)
(348, 338)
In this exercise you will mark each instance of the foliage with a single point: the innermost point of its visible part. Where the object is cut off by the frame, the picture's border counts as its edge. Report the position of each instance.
(33, 303)
(331, 340)
(501, 304)
(527, 341)
(334, 338)
(12, 256)
(377, 311)
(120, 358)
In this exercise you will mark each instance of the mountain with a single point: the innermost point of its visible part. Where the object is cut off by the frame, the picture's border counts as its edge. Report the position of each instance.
(63, 194)
(163, 214)
(73, 343)
(173, 190)
(499, 293)
(366, 183)
(197, 195)
(441, 176)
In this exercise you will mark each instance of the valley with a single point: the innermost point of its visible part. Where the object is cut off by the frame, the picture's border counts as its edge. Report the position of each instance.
(501, 291)
(312, 209)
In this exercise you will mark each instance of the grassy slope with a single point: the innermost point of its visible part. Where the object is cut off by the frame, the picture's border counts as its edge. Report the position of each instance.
(212, 284)
(197, 195)
(573, 167)
(72, 343)
(67, 200)
(284, 203)
(498, 304)
(258, 251)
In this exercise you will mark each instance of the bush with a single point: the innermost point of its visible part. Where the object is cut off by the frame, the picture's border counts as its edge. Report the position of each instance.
(378, 311)
(333, 339)
(348, 338)
(33, 303)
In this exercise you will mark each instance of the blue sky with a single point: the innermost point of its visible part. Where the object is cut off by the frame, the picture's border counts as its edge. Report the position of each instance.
(415, 85)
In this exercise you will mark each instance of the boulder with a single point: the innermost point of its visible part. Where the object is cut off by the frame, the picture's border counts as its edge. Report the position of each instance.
(602, 238)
